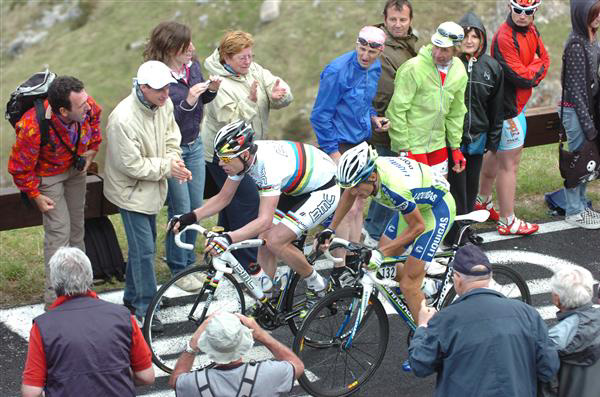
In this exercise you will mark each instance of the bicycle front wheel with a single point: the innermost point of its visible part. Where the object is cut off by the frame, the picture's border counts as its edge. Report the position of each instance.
(174, 307)
(504, 280)
(337, 363)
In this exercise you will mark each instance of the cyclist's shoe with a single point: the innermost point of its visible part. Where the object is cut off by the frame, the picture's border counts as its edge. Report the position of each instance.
(494, 216)
(341, 277)
(517, 227)
(264, 281)
(189, 284)
(312, 297)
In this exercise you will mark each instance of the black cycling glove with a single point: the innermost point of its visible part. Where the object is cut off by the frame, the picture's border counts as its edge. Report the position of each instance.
(184, 221)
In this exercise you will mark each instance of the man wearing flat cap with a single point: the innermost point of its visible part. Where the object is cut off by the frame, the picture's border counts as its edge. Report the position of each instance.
(225, 337)
(483, 344)
(143, 151)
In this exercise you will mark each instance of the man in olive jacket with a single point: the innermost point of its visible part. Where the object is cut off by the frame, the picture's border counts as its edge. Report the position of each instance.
(399, 47)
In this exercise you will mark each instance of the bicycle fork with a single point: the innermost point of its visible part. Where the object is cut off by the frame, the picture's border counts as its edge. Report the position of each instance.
(367, 290)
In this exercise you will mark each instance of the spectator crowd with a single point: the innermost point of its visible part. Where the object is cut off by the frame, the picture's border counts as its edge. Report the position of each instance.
(448, 105)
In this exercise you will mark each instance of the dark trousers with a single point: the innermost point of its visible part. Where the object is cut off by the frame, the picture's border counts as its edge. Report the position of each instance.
(242, 210)
(464, 187)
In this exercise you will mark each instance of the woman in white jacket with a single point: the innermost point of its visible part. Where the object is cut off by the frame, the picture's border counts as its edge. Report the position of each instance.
(248, 91)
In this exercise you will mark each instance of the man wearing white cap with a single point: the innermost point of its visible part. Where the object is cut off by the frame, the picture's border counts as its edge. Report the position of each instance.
(225, 338)
(143, 151)
(343, 114)
(427, 109)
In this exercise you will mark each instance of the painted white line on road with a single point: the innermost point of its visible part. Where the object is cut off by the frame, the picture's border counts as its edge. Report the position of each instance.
(549, 227)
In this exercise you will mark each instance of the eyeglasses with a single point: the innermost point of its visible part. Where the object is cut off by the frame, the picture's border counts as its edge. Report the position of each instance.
(371, 44)
(244, 58)
(451, 36)
(229, 159)
(527, 12)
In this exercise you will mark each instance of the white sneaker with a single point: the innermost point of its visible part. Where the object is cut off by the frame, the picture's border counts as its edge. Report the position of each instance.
(592, 213)
(433, 268)
(189, 284)
(370, 242)
(584, 220)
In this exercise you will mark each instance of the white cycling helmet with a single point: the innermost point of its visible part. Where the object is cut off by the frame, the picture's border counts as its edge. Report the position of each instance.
(356, 165)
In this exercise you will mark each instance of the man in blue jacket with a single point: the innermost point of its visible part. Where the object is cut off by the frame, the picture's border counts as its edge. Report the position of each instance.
(343, 115)
(483, 344)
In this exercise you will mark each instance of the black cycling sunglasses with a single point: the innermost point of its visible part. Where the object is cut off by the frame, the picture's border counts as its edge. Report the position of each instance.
(528, 12)
(371, 44)
(451, 36)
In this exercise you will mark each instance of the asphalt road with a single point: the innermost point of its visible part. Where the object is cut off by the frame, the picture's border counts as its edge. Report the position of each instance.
(534, 257)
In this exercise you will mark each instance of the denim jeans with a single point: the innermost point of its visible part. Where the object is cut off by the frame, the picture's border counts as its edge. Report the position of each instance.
(378, 215)
(575, 197)
(182, 198)
(140, 280)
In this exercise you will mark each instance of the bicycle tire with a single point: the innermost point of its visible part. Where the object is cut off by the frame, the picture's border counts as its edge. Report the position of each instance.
(178, 328)
(325, 360)
(504, 280)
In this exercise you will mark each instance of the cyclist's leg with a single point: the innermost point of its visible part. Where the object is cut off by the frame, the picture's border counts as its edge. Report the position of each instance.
(302, 216)
(437, 223)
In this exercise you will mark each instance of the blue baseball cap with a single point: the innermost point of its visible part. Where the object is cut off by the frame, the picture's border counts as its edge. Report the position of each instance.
(469, 256)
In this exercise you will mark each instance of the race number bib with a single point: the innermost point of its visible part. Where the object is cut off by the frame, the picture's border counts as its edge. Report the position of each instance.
(387, 271)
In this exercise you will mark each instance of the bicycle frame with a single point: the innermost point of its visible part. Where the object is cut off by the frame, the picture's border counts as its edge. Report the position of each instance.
(227, 263)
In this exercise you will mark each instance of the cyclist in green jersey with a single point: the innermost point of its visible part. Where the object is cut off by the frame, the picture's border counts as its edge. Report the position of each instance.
(425, 211)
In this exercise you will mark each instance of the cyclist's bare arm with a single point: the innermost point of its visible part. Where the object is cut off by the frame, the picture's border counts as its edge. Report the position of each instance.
(416, 226)
(266, 212)
(346, 202)
(219, 201)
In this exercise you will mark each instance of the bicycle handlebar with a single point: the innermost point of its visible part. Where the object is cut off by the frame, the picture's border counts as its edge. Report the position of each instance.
(251, 243)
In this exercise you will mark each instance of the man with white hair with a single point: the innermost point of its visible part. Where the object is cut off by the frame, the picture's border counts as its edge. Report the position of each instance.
(84, 346)
(143, 152)
(427, 109)
(225, 338)
(483, 344)
(577, 335)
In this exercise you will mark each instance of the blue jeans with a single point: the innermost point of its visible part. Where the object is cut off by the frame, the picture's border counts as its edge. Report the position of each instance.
(182, 198)
(140, 280)
(378, 215)
(575, 197)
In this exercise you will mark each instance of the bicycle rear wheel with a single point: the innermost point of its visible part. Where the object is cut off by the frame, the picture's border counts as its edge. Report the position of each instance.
(504, 280)
(333, 365)
(173, 306)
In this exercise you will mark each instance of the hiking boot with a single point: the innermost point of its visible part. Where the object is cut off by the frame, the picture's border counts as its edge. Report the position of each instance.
(189, 284)
(157, 325)
(517, 227)
(341, 277)
(489, 207)
(584, 220)
(312, 297)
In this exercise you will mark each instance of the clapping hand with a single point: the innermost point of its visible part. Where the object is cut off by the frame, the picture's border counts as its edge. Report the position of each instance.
(179, 171)
(215, 83)
(278, 91)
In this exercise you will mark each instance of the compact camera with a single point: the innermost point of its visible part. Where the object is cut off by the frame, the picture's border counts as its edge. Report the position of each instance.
(79, 163)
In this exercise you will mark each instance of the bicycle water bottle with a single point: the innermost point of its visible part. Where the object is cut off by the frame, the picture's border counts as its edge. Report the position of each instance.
(430, 288)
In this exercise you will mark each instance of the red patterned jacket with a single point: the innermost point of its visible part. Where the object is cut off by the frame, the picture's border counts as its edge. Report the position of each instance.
(28, 161)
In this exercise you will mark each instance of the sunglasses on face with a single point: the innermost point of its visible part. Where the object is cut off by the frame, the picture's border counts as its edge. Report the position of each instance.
(371, 44)
(528, 12)
(226, 159)
(451, 36)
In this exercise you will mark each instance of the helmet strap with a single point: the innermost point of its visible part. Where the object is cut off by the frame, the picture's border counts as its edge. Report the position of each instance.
(248, 163)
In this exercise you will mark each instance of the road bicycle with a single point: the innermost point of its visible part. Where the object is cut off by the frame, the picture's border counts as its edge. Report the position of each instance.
(224, 283)
(344, 338)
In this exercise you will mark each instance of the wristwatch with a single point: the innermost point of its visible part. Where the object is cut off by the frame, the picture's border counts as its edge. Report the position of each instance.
(189, 349)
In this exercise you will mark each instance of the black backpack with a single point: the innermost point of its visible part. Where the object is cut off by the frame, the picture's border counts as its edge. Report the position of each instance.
(31, 93)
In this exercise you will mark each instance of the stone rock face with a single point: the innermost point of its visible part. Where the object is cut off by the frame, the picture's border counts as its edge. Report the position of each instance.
(269, 10)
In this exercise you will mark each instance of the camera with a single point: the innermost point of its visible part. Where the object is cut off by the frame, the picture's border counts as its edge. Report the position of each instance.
(79, 163)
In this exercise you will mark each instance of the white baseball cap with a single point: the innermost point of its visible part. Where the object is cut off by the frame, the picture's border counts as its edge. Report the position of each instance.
(155, 74)
(448, 34)
(225, 338)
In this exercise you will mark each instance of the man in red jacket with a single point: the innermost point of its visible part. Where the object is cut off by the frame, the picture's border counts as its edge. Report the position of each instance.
(519, 49)
(53, 175)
